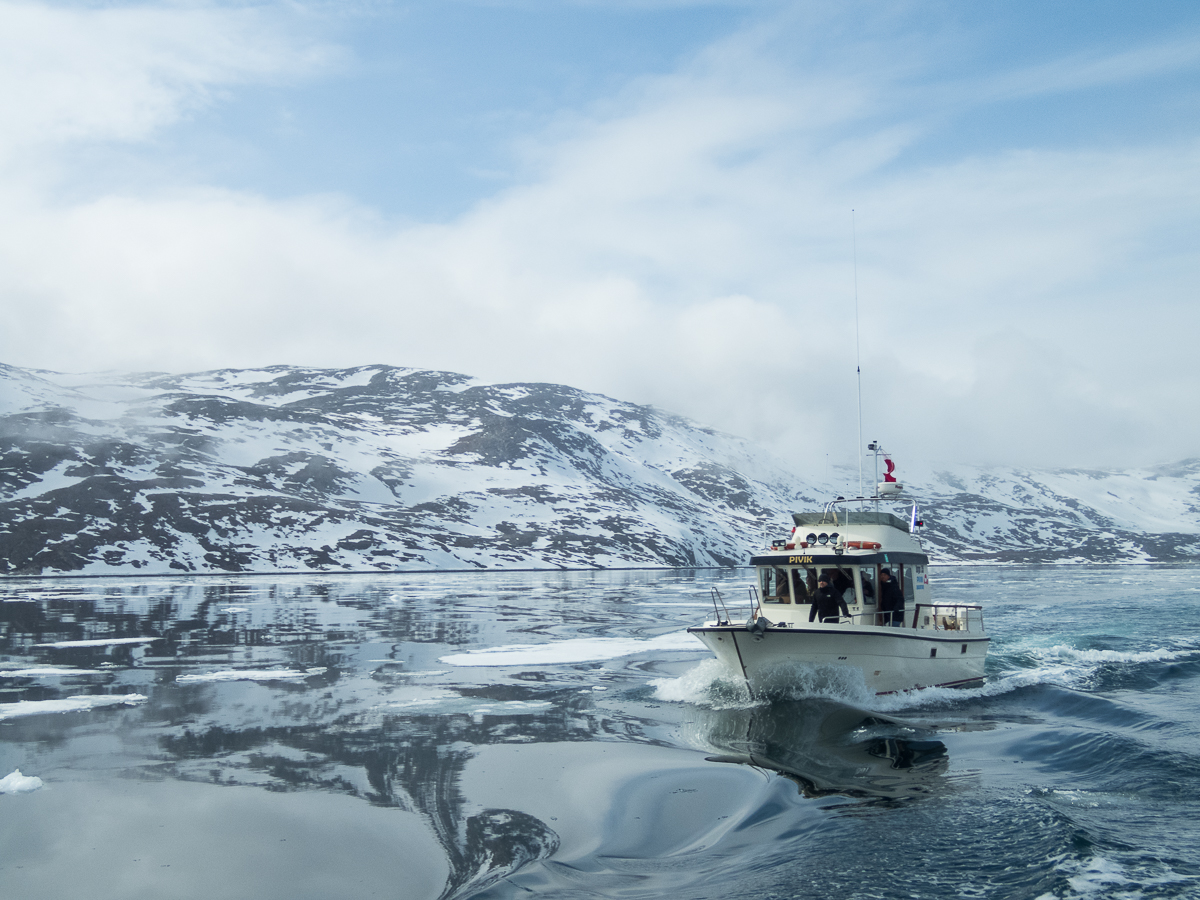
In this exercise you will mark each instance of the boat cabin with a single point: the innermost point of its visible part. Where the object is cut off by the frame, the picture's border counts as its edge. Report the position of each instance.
(850, 548)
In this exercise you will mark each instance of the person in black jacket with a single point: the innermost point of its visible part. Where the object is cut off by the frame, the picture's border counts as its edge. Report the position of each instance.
(891, 600)
(826, 602)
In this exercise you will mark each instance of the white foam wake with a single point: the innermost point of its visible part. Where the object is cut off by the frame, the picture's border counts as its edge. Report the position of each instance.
(1071, 655)
(1058, 665)
(712, 684)
(708, 684)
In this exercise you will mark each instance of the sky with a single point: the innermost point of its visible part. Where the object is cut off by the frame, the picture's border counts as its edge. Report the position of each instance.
(981, 217)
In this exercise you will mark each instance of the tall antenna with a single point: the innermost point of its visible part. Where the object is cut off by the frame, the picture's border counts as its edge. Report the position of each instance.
(857, 353)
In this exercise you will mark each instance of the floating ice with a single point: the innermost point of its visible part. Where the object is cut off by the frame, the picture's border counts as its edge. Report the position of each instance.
(447, 702)
(99, 642)
(16, 783)
(576, 650)
(47, 672)
(252, 675)
(67, 704)
(435, 697)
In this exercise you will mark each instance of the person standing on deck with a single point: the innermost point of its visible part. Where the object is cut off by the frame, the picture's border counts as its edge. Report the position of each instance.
(891, 600)
(826, 602)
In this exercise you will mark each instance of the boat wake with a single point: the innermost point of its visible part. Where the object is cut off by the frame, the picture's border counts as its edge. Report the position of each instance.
(710, 684)
(1070, 655)
(1056, 666)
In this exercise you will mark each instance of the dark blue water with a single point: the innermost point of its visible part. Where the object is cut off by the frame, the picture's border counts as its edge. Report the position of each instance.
(499, 734)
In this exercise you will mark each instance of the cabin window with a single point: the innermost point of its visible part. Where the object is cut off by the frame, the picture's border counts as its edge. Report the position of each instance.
(841, 581)
(799, 587)
(906, 574)
(869, 593)
(775, 586)
(810, 581)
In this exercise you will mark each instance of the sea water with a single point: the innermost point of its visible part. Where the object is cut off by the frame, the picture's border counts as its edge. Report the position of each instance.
(500, 734)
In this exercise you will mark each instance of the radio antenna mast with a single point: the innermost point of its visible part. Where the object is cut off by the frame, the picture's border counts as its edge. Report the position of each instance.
(857, 352)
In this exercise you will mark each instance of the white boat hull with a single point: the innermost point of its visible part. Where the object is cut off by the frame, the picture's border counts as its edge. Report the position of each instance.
(889, 659)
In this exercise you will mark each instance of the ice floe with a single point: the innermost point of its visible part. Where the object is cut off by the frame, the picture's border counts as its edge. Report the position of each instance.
(16, 783)
(67, 704)
(252, 675)
(99, 642)
(575, 650)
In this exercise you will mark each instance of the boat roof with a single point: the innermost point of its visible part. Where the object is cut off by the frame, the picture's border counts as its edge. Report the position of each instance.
(850, 517)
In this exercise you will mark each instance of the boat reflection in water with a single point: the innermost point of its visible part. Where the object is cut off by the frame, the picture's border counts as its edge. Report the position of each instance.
(828, 747)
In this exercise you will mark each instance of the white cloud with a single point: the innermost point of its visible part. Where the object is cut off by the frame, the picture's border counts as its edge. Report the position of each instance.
(99, 74)
(688, 245)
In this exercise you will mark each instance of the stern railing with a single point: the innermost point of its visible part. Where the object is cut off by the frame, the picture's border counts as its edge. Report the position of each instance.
(924, 616)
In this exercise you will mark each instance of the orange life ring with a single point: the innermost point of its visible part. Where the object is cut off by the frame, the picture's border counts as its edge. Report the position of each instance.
(863, 545)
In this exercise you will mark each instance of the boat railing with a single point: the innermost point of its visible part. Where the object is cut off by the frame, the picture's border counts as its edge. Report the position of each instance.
(932, 616)
(718, 599)
(947, 617)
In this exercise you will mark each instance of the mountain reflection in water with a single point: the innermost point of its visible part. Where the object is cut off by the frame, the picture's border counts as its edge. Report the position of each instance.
(497, 735)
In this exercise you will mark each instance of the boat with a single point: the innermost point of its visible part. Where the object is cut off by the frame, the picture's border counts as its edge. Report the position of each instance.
(850, 544)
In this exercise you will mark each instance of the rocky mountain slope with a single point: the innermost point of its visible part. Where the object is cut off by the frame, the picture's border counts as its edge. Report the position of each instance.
(380, 468)
(1064, 515)
(286, 468)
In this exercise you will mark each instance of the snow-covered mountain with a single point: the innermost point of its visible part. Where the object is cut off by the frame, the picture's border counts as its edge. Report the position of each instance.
(1064, 515)
(380, 468)
(284, 469)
